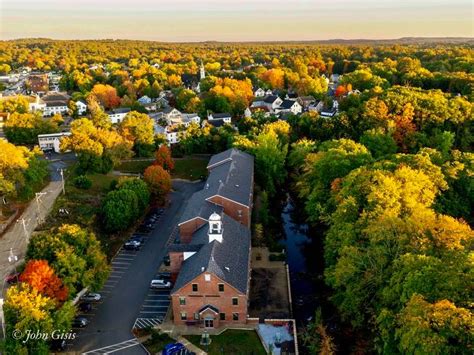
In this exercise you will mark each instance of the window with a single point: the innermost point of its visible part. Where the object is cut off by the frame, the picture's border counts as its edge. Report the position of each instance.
(207, 277)
(222, 316)
(182, 301)
(196, 316)
(221, 287)
(183, 315)
(195, 287)
(235, 301)
(235, 316)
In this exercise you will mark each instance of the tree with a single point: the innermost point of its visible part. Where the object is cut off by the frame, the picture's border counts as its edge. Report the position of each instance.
(98, 116)
(159, 181)
(138, 128)
(275, 78)
(24, 128)
(120, 209)
(106, 95)
(163, 158)
(42, 278)
(139, 187)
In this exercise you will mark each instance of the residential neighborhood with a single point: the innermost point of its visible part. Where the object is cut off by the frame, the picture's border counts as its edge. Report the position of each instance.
(236, 177)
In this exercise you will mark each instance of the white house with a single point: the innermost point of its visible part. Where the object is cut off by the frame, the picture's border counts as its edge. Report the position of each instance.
(268, 92)
(316, 107)
(56, 102)
(224, 117)
(289, 106)
(36, 104)
(188, 118)
(81, 107)
(48, 142)
(272, 102)
(247, 112)
(117, 115)
(259, 92)
(144, 100)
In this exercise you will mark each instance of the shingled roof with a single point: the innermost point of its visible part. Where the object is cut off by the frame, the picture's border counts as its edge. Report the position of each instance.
(230, 176)
(228, 260)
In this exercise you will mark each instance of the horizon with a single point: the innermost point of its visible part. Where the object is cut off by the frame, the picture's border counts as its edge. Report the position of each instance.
(186, 21)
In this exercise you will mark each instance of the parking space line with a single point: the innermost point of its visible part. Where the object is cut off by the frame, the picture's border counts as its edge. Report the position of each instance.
(115, 276)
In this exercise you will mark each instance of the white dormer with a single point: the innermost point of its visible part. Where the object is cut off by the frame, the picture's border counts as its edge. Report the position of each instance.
(215, 228)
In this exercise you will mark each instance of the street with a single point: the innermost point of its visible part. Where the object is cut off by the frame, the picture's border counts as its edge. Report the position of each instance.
(126, 293)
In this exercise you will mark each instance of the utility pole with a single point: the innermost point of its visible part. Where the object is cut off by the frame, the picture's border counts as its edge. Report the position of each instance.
(38, 201)
(61, 171)
(23, 223)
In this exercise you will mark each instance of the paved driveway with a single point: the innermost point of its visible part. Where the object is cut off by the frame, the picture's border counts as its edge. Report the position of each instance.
(127, 289)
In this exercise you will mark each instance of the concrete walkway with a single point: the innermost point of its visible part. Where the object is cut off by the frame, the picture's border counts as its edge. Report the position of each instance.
(17, 237)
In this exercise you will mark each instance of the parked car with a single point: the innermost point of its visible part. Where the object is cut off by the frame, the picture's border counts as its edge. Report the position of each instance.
(132, 245)
(164, 276)
(58, 345)
(85, 307)
(80, 322)
(138, 238)
(174, 349)
(91, 297)
(159, 284)
(12, 278)
(144, 229)
(166, 260)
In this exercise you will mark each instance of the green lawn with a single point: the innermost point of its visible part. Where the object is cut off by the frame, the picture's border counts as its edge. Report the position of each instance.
(186, 168)
(233, 342)
(136, 167)
(190, 168)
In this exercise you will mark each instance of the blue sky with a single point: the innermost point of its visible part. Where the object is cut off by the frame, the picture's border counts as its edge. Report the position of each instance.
(234, 20)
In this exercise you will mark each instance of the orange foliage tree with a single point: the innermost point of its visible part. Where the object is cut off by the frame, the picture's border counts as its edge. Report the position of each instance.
(106, 95)
(159, 181)
(340, 91)
(41, 277)
(274, 77)
(163, 158)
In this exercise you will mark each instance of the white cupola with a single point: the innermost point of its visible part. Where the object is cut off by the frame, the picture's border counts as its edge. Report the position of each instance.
(215, 228)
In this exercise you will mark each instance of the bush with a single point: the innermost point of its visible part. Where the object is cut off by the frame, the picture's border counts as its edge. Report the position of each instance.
(82, 182)
(277, 257)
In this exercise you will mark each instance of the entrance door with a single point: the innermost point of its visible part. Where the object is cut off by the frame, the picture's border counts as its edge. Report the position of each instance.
(209, 323)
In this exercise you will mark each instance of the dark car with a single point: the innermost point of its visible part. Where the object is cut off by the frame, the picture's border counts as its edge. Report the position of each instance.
(130, 245)
(12, 278)
(166, 260)
(174, 349)
(144, 230)
(80, 322)
(138, 238)
(85, 307)
(164, 275)
(58, 345)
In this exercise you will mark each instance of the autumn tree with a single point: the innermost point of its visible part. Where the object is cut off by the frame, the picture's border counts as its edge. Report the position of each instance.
(159, 181)
(138, 128)
(106, 95)
(42, 278)
(163, 158)
(24, 128)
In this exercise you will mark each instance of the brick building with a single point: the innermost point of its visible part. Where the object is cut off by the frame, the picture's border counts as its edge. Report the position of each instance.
(211, 265)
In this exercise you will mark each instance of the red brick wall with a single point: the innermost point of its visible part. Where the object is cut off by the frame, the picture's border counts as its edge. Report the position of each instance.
(176, 259)
(208, 293)
(187, 229)
(231, 209)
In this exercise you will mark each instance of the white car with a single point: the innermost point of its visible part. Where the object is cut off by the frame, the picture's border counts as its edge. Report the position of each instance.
(91, 297)
(160, 284)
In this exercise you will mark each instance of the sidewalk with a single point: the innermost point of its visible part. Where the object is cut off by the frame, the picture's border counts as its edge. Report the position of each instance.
(15, 237)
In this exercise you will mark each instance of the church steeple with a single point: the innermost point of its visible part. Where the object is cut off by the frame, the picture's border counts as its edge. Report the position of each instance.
(202, 72)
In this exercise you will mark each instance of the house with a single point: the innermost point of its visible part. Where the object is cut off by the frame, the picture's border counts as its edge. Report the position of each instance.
(268, 92)
(144, 100)
(272, 102)
(81, 107)
(259, 92)
(37, 83)
(291, 96)
(56, 102)
(117, 115)
(35, 103)
(335, 78)
(224, 117)
(48, 142)
(316, 107)
(306, 101)
(289, 106)
(248, 112)
(211, 265)
(192, 81)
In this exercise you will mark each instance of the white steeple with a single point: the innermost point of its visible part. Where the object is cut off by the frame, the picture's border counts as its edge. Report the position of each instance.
(202, 72)
(215, 228)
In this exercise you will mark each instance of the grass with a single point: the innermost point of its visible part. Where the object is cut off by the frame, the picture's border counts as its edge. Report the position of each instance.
(232, 341)
(190, 168)
(134, 166)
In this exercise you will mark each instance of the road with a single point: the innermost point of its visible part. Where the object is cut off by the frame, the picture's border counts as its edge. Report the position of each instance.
(17, 236)
(110, 327)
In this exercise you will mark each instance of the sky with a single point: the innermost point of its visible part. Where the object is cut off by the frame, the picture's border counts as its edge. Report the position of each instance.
(235, 20)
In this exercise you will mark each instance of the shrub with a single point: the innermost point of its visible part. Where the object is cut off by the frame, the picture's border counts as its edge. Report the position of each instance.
(82, 182)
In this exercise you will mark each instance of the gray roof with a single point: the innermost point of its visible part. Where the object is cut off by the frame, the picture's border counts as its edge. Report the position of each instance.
(119, 110)
(56, 103)
(228, 260)
(271, 99)
(221, 115)
(230, 176)
(287, 104)
(184, 247)
(218, 122)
